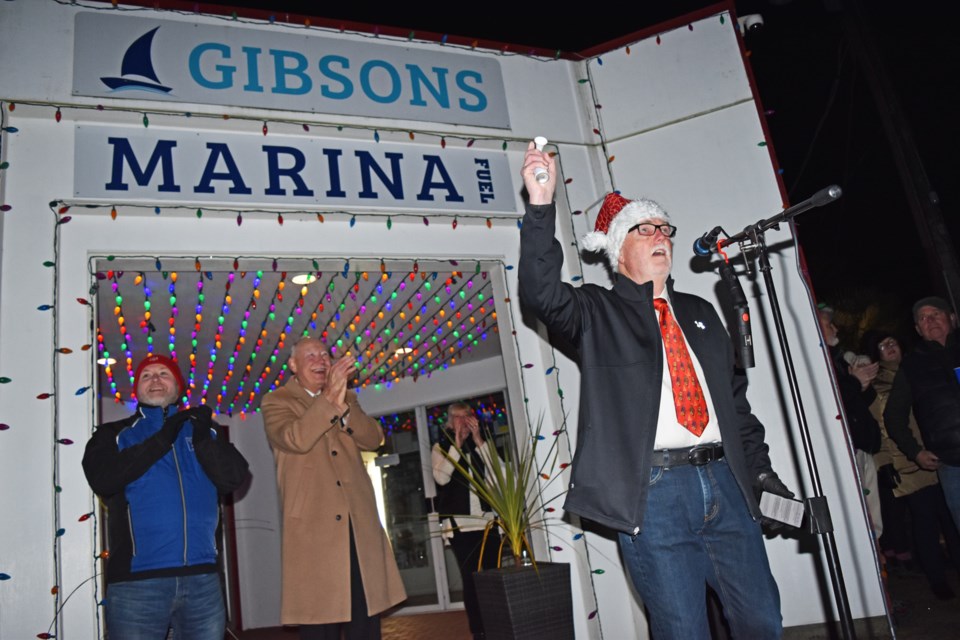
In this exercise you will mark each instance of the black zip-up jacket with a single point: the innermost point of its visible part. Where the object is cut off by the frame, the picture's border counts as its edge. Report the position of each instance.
(159, 480)
(927, 384)
(621, 371)
(863, 427)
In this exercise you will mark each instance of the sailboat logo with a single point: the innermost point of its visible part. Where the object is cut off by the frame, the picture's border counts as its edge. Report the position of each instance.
(136, 70)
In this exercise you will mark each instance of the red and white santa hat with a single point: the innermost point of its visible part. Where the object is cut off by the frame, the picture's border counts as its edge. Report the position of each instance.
(617, 216)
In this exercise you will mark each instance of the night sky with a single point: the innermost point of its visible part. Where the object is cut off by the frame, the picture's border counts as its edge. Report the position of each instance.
(865, 249)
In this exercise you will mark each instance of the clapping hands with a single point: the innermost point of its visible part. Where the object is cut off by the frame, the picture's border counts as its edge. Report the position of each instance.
(335, 391)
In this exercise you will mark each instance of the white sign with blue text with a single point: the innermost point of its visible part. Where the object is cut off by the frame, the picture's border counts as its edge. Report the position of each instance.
(134, 164)
(148, 59)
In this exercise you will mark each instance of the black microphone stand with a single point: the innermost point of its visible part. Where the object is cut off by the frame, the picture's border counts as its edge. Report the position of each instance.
(751, 240)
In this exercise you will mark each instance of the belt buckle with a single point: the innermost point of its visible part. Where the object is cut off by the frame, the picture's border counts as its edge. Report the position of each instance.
(699, 456)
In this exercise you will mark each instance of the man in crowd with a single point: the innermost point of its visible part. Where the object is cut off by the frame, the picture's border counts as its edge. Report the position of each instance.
(159, 472)
(911, 497)
(668, 452)
(927, 383)
(465, 514)
(339, 572)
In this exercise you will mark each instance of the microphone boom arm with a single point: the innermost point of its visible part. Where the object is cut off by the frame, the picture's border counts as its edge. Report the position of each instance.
(820, 198)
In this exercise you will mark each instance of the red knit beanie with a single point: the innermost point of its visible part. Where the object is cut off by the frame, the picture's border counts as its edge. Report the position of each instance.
(168, 363)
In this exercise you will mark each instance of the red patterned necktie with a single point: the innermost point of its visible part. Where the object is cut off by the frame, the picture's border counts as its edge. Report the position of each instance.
(687, 394)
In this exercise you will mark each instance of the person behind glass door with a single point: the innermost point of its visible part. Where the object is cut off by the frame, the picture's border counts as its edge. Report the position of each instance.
(464, 514)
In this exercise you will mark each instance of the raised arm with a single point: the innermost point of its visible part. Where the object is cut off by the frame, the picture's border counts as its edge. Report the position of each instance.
(541, 256)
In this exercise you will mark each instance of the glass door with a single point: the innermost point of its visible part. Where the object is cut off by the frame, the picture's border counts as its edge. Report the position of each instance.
(492, 414)
(403, 478)
(406, 508)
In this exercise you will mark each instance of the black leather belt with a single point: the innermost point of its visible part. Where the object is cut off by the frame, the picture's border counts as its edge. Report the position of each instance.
(696, 456)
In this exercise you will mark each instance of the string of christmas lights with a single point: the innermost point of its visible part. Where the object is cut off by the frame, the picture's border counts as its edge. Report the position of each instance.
(258, 345)
(375, 132)
(278, 346)
(64, 206)
(146, 325)
(424, 337)
(258, 341)
(218, 341)
(57, 440)
(194, 343)
(125, 345)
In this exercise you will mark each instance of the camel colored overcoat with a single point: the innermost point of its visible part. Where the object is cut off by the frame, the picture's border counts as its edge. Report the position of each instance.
(324, 488)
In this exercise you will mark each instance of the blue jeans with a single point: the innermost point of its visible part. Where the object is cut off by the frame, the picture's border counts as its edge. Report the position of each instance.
(950, 481)
(697, 531)
(144, 609)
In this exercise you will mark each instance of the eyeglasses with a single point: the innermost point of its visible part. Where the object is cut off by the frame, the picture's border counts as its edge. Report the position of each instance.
(934, 314)
(648, 229)
(888, 344)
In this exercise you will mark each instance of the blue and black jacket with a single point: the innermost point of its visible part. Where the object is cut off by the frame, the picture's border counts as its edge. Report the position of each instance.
(160, 489)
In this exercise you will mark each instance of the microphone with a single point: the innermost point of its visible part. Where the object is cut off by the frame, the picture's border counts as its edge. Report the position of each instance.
(707, 243)
(826, 195)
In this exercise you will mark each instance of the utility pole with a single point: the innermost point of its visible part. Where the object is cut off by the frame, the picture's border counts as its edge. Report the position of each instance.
(921, 196)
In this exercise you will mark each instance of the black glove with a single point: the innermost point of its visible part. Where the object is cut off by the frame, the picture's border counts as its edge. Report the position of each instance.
(202, 419)
(172, 425)
(888, 477)
(770, 482)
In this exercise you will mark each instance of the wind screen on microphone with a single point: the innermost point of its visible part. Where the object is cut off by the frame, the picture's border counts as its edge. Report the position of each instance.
(824, 196)
(707, 243)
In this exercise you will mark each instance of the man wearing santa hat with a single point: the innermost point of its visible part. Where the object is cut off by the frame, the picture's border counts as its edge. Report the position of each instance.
(669, 454)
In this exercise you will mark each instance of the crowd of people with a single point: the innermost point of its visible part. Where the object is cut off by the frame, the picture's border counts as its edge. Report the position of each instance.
(902, 410)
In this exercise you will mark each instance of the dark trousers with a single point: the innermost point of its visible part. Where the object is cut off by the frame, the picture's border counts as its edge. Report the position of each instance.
(466, 548)
(361, 626)
(930, 517)
(895, 540)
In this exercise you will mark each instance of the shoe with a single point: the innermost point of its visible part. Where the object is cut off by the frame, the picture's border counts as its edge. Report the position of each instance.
(942, 591)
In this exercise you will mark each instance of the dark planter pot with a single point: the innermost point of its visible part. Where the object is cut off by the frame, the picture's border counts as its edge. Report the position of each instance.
(524, 603)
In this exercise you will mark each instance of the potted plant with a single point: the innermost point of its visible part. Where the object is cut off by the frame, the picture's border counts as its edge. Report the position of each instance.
(527, 600)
